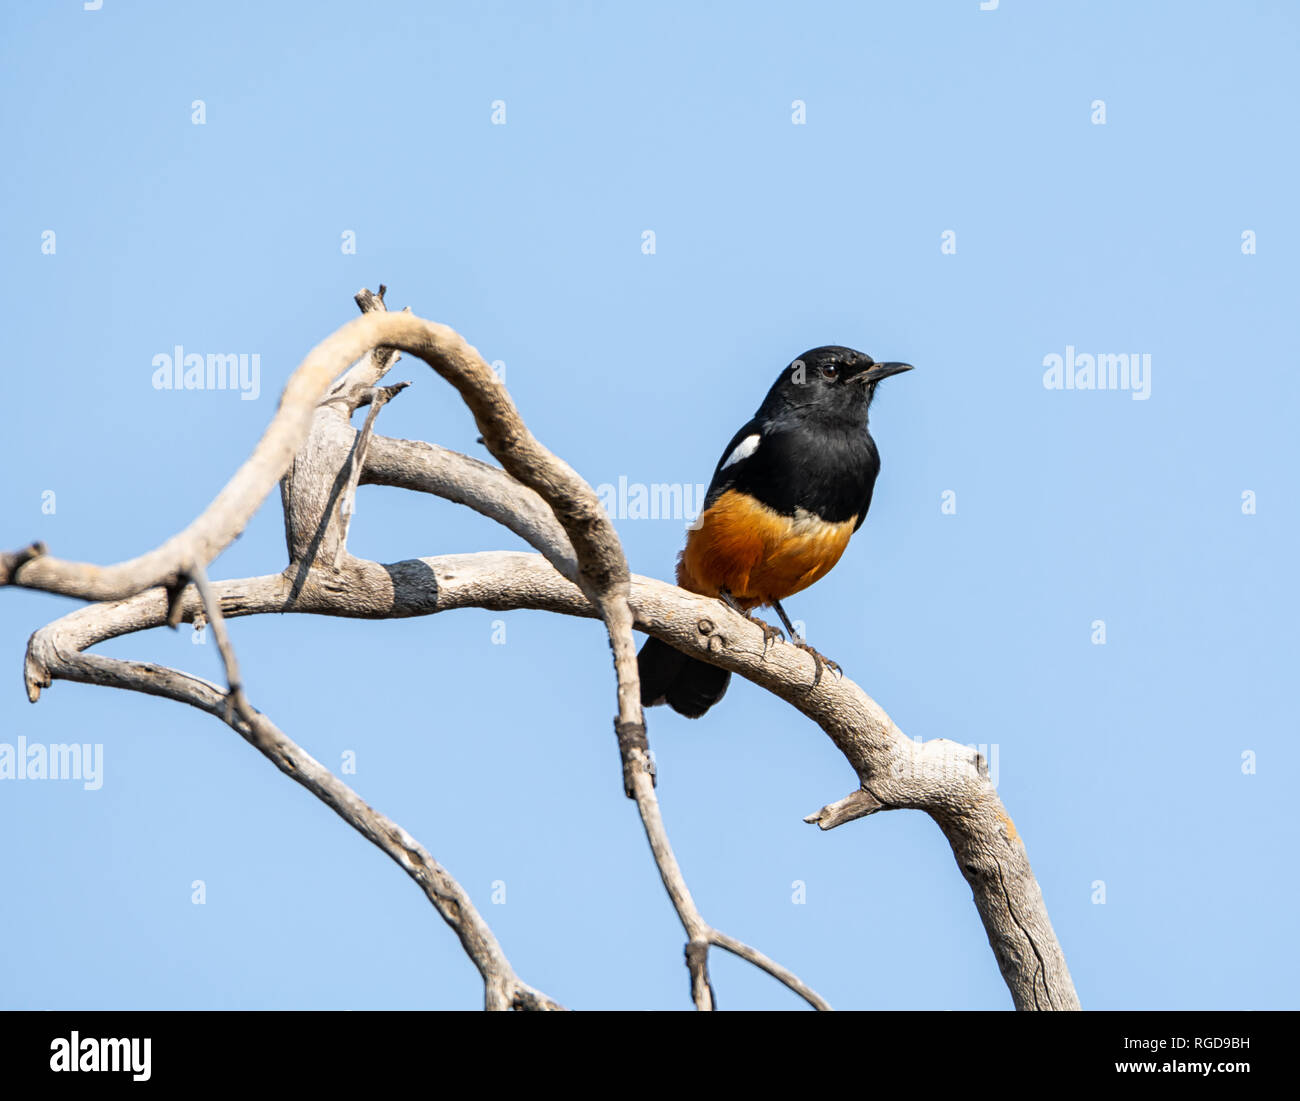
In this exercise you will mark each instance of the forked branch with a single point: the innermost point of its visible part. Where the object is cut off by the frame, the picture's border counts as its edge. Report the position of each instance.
(321, 458)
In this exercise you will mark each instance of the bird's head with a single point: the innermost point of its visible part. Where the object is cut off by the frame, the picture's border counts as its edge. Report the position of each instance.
(831, 383)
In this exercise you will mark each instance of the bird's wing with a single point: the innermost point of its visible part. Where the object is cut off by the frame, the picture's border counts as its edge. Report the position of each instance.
(733, 459)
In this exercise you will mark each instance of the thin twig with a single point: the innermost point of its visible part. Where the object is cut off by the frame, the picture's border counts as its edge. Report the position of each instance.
(781, 974)
(234, 683)
(381, 396)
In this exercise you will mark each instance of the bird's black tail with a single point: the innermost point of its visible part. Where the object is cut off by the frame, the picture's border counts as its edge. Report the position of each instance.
(668, 676)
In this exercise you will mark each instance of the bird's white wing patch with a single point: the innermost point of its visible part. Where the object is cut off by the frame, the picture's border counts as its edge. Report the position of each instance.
(743, 450)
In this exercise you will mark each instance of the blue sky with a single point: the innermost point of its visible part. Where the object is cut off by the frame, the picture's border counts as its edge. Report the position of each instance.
(1121, 763)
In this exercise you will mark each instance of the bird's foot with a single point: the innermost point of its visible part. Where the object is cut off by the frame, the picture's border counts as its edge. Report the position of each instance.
(820, 661)
(770, 633)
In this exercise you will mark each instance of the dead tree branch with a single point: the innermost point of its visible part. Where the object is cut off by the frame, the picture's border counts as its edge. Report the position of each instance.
(53, 653)
(321, 458)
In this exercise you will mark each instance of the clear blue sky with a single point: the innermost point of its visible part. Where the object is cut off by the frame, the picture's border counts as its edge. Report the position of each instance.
(1120, 762)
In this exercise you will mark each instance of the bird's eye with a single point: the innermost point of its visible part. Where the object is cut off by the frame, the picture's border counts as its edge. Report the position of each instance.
(830, 372)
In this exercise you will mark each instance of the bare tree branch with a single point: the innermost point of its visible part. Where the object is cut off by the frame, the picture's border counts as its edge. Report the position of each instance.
(781, 974)
(382, 395)
(584, 573)
(50, 656)
(940, 777)
(236, 701)
(427, 468)
(880, 750)
(857, 804)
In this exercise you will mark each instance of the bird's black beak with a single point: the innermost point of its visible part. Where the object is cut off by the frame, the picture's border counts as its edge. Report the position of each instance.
(882, 370)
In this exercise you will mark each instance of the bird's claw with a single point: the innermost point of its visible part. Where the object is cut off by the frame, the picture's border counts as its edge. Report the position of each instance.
(770, 633)
(820, 662)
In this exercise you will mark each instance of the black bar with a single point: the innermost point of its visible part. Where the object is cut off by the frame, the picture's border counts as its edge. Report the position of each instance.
(339, 1049)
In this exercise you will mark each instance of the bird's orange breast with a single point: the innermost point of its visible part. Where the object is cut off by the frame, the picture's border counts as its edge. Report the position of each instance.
(757, 554)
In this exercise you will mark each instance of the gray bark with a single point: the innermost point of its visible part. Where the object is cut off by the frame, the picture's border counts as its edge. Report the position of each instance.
(312, 448)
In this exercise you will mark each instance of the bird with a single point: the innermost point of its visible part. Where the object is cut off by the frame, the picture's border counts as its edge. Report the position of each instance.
(788, 492)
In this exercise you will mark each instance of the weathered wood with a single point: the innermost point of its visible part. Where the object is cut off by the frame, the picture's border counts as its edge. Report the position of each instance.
(320, 458)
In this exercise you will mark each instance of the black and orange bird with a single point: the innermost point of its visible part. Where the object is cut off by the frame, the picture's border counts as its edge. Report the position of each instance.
(790, 489)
